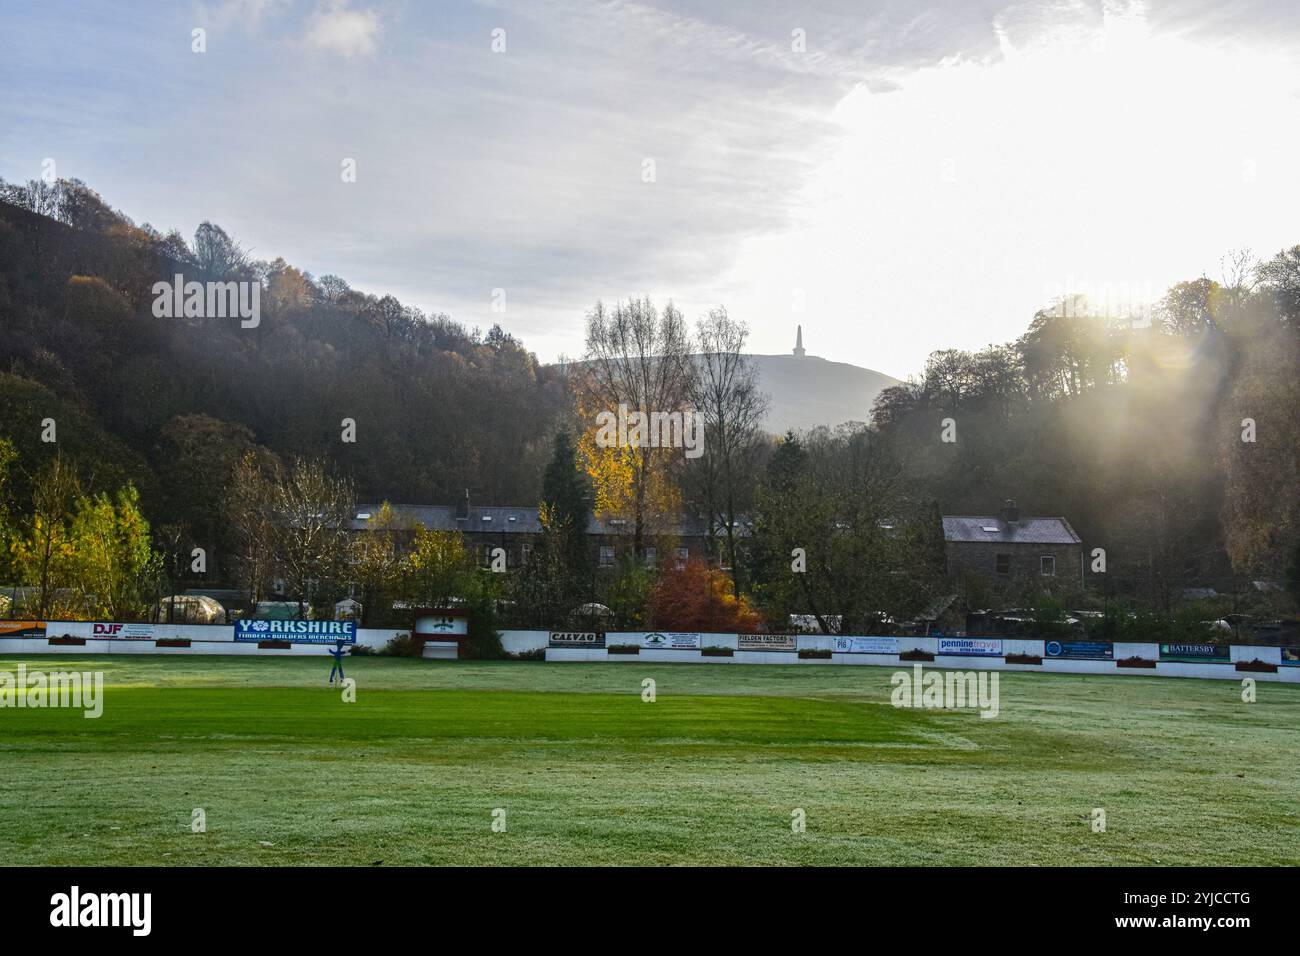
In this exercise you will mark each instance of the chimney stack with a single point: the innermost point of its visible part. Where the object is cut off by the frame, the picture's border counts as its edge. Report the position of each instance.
(1010, 513)
(462, 509)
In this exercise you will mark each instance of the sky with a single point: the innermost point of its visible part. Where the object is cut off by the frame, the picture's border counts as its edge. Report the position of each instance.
(897, 177)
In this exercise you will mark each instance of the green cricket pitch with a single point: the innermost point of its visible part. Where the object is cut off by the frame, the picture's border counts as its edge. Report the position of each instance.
(713, 771)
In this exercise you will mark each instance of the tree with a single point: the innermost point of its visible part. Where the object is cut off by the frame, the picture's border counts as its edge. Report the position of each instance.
(376, 560)
(725, 391)
(699, 598)
(841, 536)
(112, 560)
(565, 503)
(436, 569)
(216, 255)
(42, 548)
(312, 508)
(638, 359)
(250, 513)
(7, 456)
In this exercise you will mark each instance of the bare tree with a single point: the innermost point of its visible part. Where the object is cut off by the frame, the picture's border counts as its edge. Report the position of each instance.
(725, 391)
(250, 511)
(640, 358)
(310, 529)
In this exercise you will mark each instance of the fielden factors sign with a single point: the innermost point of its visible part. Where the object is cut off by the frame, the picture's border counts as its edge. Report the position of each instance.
(299, 632)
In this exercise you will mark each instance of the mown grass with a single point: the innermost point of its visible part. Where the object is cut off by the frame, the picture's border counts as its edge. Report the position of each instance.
(588, 773)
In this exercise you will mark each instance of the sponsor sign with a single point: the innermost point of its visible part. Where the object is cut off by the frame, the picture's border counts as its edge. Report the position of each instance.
(671, 640)
(1290, 656)
(1080, 650)
(765, 642)
(298, 632)
(441, 624)
(1196, 653)
(21, 629)
(866, 645)
(122, 632)
(576, 639)
(970, 646)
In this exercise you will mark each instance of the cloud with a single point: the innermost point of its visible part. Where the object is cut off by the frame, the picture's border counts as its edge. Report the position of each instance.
(336, 28)
(248, 14)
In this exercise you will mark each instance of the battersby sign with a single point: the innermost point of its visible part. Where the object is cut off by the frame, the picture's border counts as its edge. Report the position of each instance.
(765, 642)
(1195, 653)
(122, 632)
(299, 632)
(576, 639)
(970, 646)
(866, 645)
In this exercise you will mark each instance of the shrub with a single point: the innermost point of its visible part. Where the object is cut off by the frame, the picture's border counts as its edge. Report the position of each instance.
(1023, 659)
(536, 654)
(700, 598)
(1136, 662)
(403, 645)
(815, 653)
(717, 652)
(362, 650)
(916, 654)
(625, 649)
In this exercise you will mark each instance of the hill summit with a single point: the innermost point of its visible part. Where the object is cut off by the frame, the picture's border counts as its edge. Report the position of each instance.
(807, 391)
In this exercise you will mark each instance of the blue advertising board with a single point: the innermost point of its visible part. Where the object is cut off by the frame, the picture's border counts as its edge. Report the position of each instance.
(298, 632)
(1080, 650)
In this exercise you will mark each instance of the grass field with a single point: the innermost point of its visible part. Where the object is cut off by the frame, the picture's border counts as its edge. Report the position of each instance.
(588, 773)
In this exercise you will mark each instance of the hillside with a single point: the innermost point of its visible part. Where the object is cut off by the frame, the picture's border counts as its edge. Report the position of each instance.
(807, 391)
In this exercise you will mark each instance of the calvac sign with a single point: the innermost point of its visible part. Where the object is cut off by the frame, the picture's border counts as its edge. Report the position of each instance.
(298, 632)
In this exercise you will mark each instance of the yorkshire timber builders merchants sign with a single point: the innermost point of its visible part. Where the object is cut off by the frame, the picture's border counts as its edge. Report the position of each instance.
(1080, 650)
(299, 632)
(1196, 653)
(970, 646)
(576, 639)
(866, 645)
(765, 642)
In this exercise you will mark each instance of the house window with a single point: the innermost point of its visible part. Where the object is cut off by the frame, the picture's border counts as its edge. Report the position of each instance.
(651, 554)
(1047, 566)
(680, 556)
(1004, 563)
(606, 555)
(526, 551)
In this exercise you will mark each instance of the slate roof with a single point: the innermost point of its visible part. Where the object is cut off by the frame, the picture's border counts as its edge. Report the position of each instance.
(964, 528)
(499, 519)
